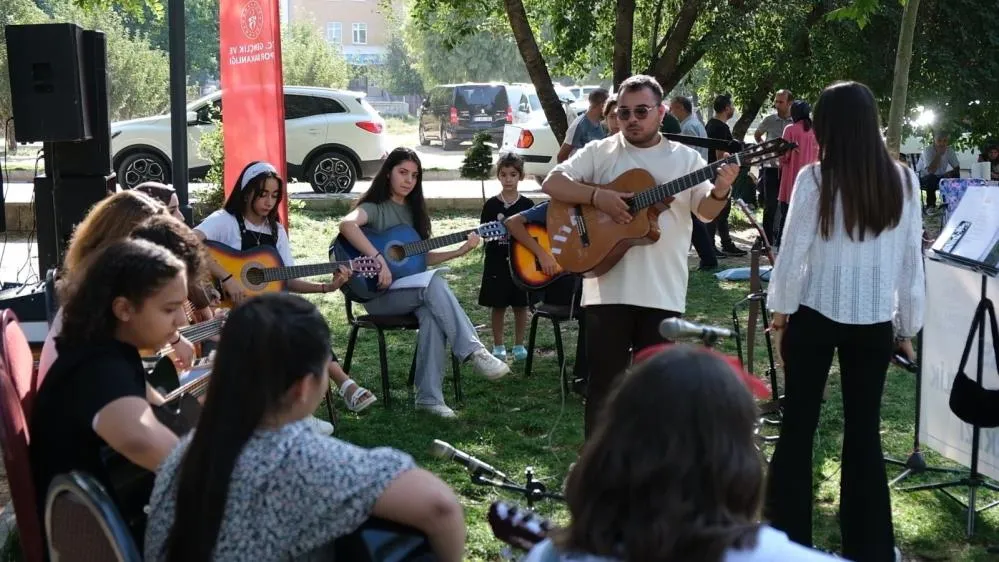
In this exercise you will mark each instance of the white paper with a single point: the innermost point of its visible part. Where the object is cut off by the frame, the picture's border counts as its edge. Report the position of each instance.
(972, 230)
(416, 281)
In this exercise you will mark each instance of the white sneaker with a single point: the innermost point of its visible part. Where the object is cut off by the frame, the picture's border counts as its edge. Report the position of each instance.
(487, 365)
(441, 410)
(322, 427)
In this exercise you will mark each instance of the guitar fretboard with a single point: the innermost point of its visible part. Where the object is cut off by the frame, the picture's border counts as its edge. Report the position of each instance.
(202, 331)
(285, 273)
(424, 246)
(660, 192)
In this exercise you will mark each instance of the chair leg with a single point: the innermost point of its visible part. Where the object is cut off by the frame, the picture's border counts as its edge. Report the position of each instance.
(412, 368)
(383, 363)
(330, 409)
(530, 344)
(560, 353)
(456, 373)
(351, 342)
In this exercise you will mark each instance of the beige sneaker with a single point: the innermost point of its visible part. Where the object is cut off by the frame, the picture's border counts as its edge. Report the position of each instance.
(441, 410)
(489, 366)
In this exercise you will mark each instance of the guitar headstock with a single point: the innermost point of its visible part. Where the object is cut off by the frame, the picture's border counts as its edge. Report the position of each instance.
(517, 526)
(759, 153)
(365, 266)
(492, 231)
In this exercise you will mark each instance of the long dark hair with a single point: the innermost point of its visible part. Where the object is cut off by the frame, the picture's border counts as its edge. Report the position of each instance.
(242, 198)
(801, 111)
(177, 237)
(381, 189)
(855, 163)
(267, 345)
(134, 269)
(671, 471)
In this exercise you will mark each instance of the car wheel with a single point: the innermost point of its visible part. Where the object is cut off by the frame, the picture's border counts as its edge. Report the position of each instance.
(142, 167)
(423, 136)
(447, 143)
(332, 172)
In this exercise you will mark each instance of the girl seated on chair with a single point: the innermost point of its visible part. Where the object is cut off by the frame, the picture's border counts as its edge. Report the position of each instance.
(131, 297)
(671, 471)
(252, 482)
(396, 198)
(111, 220)
(249, 220)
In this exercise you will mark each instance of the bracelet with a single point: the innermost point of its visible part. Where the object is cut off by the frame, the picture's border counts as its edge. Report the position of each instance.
(226, 278)
(323, 285)
(593, 196)
(712, 195)
(176, 341)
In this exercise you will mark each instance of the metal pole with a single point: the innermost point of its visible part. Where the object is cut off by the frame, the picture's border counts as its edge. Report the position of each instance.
(178, 104)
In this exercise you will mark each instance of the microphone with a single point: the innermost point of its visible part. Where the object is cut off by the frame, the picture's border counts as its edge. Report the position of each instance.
(445, 450)
(676, 328)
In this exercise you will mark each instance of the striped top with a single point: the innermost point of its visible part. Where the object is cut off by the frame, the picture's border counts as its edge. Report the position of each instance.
(849, 281)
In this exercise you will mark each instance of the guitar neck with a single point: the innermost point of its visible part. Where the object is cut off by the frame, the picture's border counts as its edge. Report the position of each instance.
(201, 332)
(430, 244)
(660, 192)
(284, 273)
(196, 388)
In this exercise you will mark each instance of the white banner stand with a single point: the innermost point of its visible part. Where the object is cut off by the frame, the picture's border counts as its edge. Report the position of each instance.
(952, 296)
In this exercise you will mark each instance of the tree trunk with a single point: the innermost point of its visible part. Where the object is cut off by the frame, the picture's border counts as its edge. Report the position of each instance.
(663, 63)
(536, 67)
(623, 37)
(900, 85)
(752, 107)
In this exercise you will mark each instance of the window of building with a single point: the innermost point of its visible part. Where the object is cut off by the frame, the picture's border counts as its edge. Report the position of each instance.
(360, 33)
(334, 32)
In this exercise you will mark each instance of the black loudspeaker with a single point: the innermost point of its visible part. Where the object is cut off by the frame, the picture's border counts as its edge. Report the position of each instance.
(59, 208)
(47, 86)
(90, 157)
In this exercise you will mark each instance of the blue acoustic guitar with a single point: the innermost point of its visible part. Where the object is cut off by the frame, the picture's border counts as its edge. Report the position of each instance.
(404, 251)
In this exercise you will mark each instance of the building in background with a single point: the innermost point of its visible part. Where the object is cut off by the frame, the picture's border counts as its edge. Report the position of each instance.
(359, 28)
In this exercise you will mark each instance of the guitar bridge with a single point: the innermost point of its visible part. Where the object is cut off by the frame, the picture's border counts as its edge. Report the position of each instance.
(580, 224)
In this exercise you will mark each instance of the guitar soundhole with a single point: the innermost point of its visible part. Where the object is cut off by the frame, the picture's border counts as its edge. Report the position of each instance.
(255, 276)
(395, 253)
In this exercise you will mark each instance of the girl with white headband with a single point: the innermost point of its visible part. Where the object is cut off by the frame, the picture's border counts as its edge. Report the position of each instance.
(249, 219)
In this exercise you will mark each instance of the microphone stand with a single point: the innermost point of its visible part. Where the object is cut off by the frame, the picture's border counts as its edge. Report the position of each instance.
(532, 490)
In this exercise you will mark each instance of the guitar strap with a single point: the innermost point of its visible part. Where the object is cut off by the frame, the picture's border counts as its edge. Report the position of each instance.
(250, 239)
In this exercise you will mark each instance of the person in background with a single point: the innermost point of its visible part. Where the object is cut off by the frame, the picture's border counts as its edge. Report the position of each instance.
(610, 117)
(717, 128)
(586, 127)
(938, 161)
(801, 133)
(164, 194)
(772, 127)
(849, 281)
(253, 482)
(671, 471)
(497, 290)
(991, 155)
(691, 126)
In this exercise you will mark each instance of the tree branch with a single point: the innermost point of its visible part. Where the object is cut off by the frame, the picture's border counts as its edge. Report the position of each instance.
(677, 40)
(623, 38)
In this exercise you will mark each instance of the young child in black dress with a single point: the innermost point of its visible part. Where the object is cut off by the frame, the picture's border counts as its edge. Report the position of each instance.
(498, 290)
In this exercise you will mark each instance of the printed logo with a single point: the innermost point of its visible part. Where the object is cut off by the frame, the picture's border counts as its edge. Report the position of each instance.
(251, 19)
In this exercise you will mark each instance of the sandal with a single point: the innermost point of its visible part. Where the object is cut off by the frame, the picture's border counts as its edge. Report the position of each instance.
(360, 399)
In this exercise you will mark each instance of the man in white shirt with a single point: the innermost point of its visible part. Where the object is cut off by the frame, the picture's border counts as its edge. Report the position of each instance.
(625, 305)
(938, 161)
(701, 237)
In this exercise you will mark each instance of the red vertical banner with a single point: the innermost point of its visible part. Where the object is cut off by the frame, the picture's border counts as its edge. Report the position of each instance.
(252, 88)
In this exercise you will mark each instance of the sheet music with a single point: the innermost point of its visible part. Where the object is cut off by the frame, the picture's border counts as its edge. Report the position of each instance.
(972, 232)
(417, 280)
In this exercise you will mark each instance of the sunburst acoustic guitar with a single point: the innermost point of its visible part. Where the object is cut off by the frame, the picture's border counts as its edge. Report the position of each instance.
(525, 266)
(261, 270)
(587, 241)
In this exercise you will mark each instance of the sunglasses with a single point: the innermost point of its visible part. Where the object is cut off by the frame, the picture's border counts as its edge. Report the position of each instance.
(641, 112)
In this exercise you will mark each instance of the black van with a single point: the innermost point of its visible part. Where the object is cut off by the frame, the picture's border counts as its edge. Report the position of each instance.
(454, 113)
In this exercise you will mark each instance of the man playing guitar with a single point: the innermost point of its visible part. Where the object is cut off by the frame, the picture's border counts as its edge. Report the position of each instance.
(625, 305)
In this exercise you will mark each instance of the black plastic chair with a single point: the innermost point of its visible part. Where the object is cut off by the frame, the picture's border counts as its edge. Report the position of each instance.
(82, 523)
(386, 323)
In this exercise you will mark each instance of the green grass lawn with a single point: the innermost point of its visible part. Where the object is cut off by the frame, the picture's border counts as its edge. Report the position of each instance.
(519, 422)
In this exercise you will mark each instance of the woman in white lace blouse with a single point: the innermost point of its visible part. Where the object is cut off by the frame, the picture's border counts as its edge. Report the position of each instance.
(849, 279)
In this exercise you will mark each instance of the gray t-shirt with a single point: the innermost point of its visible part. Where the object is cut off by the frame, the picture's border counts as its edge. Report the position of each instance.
(585, 132)
(383, 216)
(291, 491)
(773, 128)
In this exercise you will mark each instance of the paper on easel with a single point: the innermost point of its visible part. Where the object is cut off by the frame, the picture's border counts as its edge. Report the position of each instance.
(981, 170)
(417, 280)
(972, 232)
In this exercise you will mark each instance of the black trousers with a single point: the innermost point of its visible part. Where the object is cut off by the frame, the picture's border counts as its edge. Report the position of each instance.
(719, 226)
(782, 209)
(703, 243)
(613, 331)
(865, 506)
(930, 183)
(769, 186)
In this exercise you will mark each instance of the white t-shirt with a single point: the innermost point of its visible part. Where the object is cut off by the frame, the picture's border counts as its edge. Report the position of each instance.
(771, 546)
(654, 275)
(222, 227)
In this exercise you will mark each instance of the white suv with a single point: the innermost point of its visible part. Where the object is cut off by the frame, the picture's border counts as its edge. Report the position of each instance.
(333, 137)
